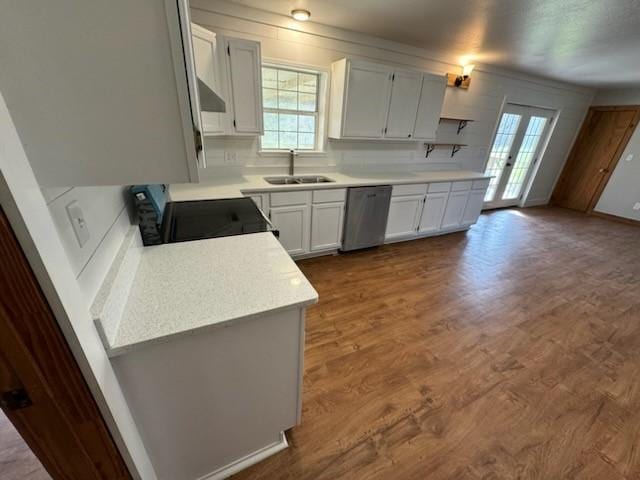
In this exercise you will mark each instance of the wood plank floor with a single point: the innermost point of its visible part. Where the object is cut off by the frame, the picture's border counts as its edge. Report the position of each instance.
(17, 461)
(510, 351)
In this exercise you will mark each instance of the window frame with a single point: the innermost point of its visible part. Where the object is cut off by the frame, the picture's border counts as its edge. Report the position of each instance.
(318, 114)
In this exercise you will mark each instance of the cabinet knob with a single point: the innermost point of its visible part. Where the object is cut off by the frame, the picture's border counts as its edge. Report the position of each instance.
(409, 135)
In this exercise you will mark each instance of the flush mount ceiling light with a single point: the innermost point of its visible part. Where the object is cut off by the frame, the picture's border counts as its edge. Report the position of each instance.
(300, 14)
(461, 81)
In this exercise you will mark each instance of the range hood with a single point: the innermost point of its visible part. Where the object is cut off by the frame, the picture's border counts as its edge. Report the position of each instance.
(210, 101)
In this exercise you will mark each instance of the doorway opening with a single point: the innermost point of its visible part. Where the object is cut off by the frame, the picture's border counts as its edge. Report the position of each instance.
(517, 148)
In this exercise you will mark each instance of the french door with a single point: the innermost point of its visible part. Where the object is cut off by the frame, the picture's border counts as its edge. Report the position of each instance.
(516, 147)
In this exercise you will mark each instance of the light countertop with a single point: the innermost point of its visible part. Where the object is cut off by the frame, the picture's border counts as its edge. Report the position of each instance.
(231, 187)
(179, 288)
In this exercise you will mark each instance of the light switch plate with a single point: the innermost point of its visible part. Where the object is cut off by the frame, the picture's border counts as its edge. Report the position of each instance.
(629, 157)
(80, 227)
(636, 206)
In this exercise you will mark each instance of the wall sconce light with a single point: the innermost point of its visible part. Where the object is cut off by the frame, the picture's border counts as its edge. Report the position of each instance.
(461, 81)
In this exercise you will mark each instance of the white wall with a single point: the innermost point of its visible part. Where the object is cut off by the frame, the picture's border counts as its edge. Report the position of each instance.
(623, 189)
(107, 221)
(317, 46)
(32, 221)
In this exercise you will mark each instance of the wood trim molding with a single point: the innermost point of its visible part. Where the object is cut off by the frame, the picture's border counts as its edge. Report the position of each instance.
(615, 218)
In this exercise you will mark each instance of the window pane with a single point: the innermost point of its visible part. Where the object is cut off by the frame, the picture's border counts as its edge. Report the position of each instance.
(288, 123)
(269, 77)
(306, 141)
(287, 100)
(270, 121)
(270, 140)
(307, 82)
(307, 102)
(306, 123)
(287, 80)
(269, 98)
(287, 95)
(288, 140)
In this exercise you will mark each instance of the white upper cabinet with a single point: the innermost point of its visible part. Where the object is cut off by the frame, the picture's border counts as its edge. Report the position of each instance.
(244, 80)
(405, 95)
(204, 52)
(359, 99)
(101, 93)
(430, 106)
(376, 101)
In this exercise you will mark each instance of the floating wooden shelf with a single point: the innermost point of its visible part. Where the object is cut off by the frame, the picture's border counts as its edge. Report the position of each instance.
(462, 122)
(455, 147)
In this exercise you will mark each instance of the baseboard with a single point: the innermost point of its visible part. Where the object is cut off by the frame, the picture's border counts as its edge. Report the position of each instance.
(319, 253)
(248, 460)
(615, 218)
(536, 202)
(427, 235)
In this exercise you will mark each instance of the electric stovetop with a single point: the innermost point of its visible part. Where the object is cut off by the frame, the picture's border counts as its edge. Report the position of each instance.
(199, 219)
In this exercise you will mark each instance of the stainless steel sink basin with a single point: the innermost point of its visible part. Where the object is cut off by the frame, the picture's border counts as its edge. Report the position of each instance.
(297, 180)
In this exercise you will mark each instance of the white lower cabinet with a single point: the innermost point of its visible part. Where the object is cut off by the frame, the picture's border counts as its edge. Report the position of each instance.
(404, 215)
(454, 211)
(326, 226)
(433, 212)
(474, 207)
(294, 224)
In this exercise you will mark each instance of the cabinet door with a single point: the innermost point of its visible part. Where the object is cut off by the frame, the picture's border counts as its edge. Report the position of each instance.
(245, 78)
(430, 106)
(405, 95)
(433, 211)
(366, 100)
(204, 50)
(474, 207)
(404, 215)
(455, 209)
(293, 223)
(326, 225)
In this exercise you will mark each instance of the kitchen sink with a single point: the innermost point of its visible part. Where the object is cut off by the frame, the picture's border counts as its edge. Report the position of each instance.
(297, 180)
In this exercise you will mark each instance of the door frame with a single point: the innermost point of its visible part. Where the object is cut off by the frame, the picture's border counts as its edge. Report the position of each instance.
(58, 416)
(616, 155)
(526, 112)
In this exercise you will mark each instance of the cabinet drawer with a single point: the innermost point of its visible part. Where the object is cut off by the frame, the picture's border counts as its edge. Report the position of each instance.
(481, 184)
(439, 187)
(280, 199)
(415, 189)
(331, 195)
(461, 186)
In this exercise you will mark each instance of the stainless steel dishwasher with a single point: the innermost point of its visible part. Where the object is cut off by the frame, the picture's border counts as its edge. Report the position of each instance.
(365, 220)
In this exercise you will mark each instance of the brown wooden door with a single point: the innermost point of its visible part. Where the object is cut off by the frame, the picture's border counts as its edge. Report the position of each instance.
(42, 390)
(604, 135)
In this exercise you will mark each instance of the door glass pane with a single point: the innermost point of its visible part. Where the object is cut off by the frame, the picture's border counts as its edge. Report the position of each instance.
(500, 151)
(525, 157)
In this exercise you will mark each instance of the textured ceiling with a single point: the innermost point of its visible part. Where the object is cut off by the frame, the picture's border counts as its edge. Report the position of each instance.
(588, 42)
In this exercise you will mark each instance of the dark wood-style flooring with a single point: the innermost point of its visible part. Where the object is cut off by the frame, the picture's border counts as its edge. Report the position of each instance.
(510, 351)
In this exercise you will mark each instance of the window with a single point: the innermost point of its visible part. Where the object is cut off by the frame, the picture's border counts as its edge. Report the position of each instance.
(290, 102)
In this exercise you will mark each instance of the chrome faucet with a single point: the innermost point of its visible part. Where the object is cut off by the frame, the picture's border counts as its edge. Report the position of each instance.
(292, 156)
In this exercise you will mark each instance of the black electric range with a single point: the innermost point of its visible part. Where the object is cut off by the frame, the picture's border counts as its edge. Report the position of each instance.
(198, 219)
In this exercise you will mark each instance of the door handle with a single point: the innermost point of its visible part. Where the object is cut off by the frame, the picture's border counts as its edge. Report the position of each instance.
(15, 399)
(509, 164)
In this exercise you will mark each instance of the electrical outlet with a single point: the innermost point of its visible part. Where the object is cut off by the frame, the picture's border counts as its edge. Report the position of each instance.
(636, 206)
(229, 158)
(80, 227)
